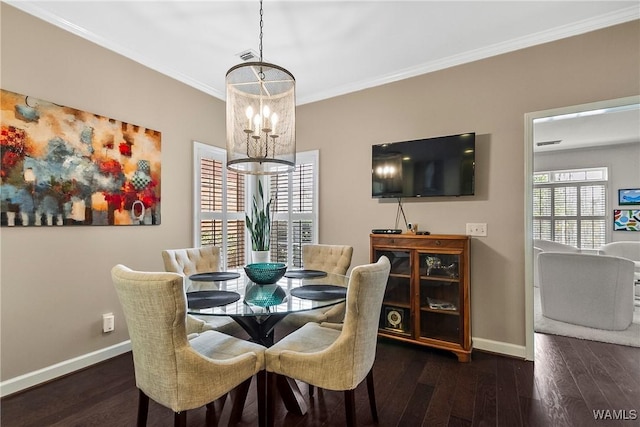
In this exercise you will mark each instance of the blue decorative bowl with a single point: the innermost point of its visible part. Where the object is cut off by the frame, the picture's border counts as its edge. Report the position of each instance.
(265, 273)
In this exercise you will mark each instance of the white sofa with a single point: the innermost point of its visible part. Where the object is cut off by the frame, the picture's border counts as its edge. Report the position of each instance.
(588, 290)
(628, 250)
(625, 249)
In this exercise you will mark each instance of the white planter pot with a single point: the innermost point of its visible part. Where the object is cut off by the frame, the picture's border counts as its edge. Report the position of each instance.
(259, 256)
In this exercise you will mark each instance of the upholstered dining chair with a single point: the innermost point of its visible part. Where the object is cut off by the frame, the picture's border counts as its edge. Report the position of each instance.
(179, 373)
(335, 357)
(200, 260)
(335, 259)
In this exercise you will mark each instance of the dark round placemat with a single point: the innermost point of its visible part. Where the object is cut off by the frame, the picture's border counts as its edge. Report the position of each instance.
(320, 292)
(214, 276)
(209, 299)
(304, 274)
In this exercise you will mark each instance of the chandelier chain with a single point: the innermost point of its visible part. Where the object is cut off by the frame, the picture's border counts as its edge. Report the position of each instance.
(261, 25)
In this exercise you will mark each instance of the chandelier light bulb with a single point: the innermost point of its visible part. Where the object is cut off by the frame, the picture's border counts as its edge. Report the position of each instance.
(274, 121)
(257, 120)
(249, 113)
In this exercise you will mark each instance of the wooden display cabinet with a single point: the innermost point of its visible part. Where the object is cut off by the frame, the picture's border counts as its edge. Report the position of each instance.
(427, 299)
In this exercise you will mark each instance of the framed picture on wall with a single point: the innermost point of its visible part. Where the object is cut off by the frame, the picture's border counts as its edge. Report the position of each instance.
(65, 167)
(629, 196)
(626, 220)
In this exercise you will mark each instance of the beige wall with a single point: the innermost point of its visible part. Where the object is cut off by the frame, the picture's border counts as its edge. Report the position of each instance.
(489, 97)
(55, 282)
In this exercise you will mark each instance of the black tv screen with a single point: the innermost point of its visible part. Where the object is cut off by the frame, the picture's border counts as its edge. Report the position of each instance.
(431, 167)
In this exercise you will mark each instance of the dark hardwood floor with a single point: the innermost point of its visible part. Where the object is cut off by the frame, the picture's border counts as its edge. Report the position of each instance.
(415, 386)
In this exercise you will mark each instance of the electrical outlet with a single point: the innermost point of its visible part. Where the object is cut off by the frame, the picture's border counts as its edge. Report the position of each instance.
(476, 229)
(108, 322)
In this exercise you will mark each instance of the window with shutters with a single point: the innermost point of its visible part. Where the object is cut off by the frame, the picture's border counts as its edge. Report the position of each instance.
(569, 206)
(294, 196)
(221, 197)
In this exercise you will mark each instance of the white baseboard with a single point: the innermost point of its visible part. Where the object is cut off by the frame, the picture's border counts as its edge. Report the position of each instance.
(500, 347)
(49, 373)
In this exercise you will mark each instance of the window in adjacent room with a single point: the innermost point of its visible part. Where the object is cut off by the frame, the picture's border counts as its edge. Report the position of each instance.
(569, 206)
(221, 197)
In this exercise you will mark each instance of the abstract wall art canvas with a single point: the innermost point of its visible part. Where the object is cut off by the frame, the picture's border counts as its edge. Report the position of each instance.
(629, 196)
(626, 220)
(64, 167)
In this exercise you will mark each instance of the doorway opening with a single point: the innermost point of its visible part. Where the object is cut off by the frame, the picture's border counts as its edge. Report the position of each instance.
(537, 139)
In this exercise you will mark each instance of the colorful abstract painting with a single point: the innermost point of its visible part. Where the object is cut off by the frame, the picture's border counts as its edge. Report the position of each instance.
(626, 220)
(62, 166)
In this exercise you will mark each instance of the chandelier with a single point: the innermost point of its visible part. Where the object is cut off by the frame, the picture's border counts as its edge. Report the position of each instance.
(261, 113)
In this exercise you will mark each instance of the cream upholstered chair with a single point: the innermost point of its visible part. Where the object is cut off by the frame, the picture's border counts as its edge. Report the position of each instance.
(199, 260)
(192, 260)
(331, 356)
(540, 246)
(624, 249)
(334, 259)
(629, 250)
(587, 290)
(174, 371)
(551, 246)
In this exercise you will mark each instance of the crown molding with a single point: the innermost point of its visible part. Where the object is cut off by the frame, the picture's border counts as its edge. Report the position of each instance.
(603, 21)
(606, 20)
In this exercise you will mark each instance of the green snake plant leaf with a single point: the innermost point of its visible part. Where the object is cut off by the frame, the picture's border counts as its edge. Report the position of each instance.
(259, 225)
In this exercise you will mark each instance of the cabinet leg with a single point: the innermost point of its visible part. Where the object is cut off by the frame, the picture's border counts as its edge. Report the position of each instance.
(463, 357)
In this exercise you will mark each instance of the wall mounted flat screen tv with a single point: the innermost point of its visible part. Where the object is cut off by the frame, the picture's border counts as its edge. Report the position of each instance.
(431, 167)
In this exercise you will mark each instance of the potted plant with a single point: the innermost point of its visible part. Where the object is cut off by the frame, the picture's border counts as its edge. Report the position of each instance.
(259, 226)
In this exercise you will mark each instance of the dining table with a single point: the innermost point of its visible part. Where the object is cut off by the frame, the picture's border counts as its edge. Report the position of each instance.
(258, 308)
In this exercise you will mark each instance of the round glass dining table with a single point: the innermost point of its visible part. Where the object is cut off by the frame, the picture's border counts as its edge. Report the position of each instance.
(258, 308)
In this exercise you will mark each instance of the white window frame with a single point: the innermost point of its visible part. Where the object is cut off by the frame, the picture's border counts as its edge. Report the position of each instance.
(568, 177)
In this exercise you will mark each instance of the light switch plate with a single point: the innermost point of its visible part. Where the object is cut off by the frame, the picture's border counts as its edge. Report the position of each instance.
(108, 322)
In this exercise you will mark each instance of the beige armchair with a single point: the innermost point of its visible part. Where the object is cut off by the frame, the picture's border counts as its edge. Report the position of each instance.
(334, 259)
(200, 260)
(336, 358)
(178, 373)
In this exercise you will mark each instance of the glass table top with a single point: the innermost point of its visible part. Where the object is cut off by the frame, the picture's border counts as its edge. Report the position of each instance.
(254, 299)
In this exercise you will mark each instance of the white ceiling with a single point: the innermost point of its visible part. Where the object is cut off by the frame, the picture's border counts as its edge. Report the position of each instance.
(586, 129)
(331, 47)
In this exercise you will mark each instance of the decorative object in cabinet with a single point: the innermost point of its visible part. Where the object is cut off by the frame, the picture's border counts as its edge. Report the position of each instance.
(427, 301)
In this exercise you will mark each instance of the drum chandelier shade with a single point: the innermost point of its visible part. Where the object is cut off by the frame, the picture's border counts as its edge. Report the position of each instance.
(261, 115)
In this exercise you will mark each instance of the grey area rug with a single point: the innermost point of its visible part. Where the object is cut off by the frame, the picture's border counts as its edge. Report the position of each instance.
(629, 337)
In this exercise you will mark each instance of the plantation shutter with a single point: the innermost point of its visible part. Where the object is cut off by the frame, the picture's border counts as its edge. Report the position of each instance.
(294, 196)
(569, 208)
(220, 203)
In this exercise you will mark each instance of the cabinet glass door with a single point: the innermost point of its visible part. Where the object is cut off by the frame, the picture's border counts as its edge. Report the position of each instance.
(395, 315)
(440, 300)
